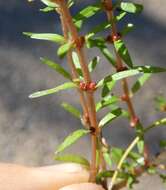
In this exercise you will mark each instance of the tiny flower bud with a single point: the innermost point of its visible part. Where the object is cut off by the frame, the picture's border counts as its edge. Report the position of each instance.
(124, 97)
(83, 86)
(134, 121)
(92, 86)
(116, 37)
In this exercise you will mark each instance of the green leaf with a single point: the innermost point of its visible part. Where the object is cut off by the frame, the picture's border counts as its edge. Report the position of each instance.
(64, 86)
(92, 65)
(106, 155)
(151, 170)
(99, 28)
(107, 88)
(163, 143)
(131, 7)
(140, 145)
(104, 81)
(71, 109)
(163, 177)
(139, 83)
(95, 42)
(120, 16)
(110, 116)
(149, 69)
(64, 49)
(160, 103)
(128, 28)
(87, 12)
(160, 122)
(49, 3)
(124, 74)
(46, 36)
(123, 52)
(73, 158)
(77, 64)
(108, 55)
(57, 68)
(116, 154)
(71, 139)
(106, 101)
(47, 9)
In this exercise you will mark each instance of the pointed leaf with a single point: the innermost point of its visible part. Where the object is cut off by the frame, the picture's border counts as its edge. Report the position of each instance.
(73, 158)
(92, 65)
(128, 28)
(116, 154)
(95, 42)
(160, 122)
(108, 100)
(64, 49)
(71, 139)
(110, 116)
(150, 69)
(108, 55)
(99, 28)
(107, 88)
(123, 52)
(46, 36)
(139, 83)
(49, 3)
(131, 7)
(77, 64)
(87, 12)
(47, 9)
(57, 68)
(124, 74)
(64, 86)
(74, 111)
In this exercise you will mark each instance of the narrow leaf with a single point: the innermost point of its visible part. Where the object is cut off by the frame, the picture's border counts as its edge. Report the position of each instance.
(46, 36)
(73, 158)
(71, 139)
(106, 101)
(123, 52)
(139, 83)
(107, 88)
(108, 55)
(57, 68)
(47, 9)
(92, 65)
(77, 64)
(160, 122)
(87, 12)
(64, 49)
(150, 69)
(64, 86)
(131, 7)
(124, 74)
(110, 116)
(128, 28)
(74, 111)
(49, 3)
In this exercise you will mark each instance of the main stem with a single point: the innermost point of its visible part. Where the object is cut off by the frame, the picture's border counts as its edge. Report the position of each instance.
(89, 94)
(72, 67)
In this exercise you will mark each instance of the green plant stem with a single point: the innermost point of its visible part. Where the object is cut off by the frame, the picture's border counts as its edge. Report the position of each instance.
(126, 153)
(89, 94)
(73, 68)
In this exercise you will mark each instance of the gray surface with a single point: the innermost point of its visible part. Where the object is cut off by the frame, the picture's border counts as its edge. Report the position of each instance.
(30, 130)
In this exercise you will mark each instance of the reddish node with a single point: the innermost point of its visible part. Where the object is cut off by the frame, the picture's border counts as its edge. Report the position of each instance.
(116, 37)
(92, 86)
(134, 121)
(124, 97)
(123, 68)
(83, 86)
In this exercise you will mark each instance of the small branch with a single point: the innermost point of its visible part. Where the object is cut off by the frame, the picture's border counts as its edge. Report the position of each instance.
(119, 63)
(126, 153)
(89, 94)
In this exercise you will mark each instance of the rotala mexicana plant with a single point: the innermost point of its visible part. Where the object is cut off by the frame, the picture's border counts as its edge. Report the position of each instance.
(121, 166)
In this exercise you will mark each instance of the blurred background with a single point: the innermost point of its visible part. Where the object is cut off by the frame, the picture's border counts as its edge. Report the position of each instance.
(30, 130)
